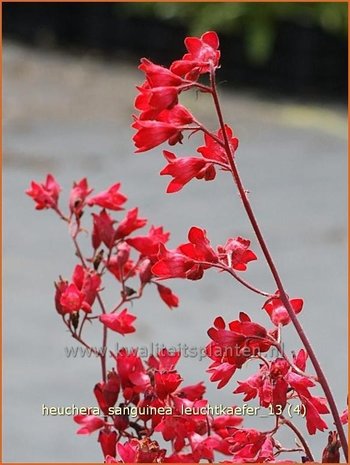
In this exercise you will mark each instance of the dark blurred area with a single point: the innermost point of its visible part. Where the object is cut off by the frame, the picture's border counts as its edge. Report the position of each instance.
(298, 49)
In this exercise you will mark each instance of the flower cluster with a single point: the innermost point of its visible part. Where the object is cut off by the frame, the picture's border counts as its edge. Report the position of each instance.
(141, 403)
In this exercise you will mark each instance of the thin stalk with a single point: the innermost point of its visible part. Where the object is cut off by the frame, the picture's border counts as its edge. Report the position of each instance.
(283, 295)
(299, 435)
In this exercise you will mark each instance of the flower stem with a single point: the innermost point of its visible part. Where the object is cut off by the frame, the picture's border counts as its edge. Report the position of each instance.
(283, 295)
(299, 435)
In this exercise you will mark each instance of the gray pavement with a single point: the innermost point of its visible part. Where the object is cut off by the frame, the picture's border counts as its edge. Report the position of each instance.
(71, 115)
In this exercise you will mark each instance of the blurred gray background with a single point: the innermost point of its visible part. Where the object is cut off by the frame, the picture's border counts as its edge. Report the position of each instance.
(68, 112)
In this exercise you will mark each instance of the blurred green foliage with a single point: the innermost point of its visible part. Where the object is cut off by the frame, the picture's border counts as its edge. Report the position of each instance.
(256, 22)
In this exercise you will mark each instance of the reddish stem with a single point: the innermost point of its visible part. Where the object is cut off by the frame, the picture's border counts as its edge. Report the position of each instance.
(299, 435)
(283, 295)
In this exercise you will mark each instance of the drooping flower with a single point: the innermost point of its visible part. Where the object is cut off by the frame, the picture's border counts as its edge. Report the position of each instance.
(148, 245)
(46, 194)
(233, 346)
(88, 282)
(250, 445)
(108, 441)
(268, 384)
(213, 150)
(185, 169)
(90, 423)
(160, 90)
(167, 126)
(72, 300)
(107, 393)
(277, 311)
(185, 261)
(166, 383)
(168, 296)
(203, 55)
(121, 322)
(111, 199)
(103, 230)
(132, 373)
(236, 253)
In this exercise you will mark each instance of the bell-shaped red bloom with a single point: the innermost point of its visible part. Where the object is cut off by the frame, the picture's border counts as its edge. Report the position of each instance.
(165, 360)
(108, 441)
(236, 253)
(112, 198)
(277, 311)
(168, 296)
(233, 346)
(45, 195)
(166, 383)
(107, 393)
(203, 55)
(149, 245)
(185, 169)
(103, 230)
(72, 300)
(90, 423)
(214, 151)
(121, 322)
(250, 445)
(88, 282)
(167, 126)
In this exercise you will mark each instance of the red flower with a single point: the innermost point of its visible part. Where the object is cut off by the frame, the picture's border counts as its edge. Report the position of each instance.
(249, 445)
(45, 195)
(88, 282)
(111, 198)
(214, 151)
(140, 451)
(185, 169)
(224, 424)
(61, 287)
(130, 223)
(193, 392)
(181, 263)
(107, 393)
(175, 265)
(90, 423)
(149, 245)
(78, 194)
(72, 300)
(159, 76)
(202, 56)
(121, 270)
(167, 126)
(168, 296)
(236, 253)
(345, 417)
(78, 295)
(159, 92)
(314, 406)
(269, 384)
(166, 360)
(232, 347)
(103, 230)
(132, 373)
(166, 383)
(108, 441)
(121, 323)
(277, 311)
